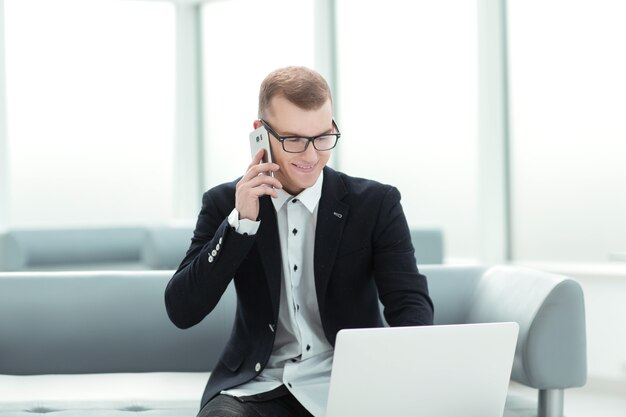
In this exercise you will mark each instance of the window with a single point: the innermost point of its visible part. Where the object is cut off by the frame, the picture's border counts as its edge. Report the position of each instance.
(568, 100)
(243, 42)
(90, 109)
(408, 108)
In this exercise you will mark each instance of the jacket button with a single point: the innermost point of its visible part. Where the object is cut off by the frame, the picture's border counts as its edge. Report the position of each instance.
(257, 367)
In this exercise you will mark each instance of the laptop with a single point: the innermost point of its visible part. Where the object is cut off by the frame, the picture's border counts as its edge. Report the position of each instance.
(433, 371)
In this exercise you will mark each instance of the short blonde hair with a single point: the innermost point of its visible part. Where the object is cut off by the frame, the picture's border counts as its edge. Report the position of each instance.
(302, 86)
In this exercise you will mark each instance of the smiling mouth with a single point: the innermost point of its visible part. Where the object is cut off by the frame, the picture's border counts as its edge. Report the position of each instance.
(307, 167)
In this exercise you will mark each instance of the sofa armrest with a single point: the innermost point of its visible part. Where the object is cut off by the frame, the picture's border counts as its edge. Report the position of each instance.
(549, 308)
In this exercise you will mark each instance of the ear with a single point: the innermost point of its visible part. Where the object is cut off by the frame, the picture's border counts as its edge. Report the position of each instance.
(257, 124)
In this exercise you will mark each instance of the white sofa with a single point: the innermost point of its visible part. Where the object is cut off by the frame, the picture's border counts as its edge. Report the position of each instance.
(100, 343)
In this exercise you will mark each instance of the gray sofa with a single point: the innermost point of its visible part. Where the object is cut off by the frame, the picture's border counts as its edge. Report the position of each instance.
(100, 343)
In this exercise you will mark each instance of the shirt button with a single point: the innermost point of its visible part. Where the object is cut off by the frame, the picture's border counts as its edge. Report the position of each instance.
(220, 241)
(217, 247)
(272, 328)
(308, 347)
(295, 200)
(213, 252)
(210, 259)
(294, 231)
(289, 383)
(257, 367)
(295, 267)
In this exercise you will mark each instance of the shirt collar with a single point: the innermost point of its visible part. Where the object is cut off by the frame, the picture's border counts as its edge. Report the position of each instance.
(309, 197)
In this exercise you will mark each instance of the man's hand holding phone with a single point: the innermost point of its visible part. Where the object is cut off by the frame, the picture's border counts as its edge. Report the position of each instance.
(254, 184)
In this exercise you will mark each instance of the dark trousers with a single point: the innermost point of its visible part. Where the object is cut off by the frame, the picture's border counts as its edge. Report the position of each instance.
(277, 403)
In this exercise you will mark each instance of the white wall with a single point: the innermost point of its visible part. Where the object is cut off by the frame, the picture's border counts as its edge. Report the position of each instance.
(606, 324)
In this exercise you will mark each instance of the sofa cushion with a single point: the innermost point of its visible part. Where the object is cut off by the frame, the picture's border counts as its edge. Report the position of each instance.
(153, 394)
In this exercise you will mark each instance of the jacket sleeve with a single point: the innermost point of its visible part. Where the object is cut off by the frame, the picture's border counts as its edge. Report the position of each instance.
(402, 289)
(215, 253)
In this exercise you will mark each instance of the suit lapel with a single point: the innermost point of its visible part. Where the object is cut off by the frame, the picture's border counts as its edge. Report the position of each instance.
(331, 217)
(269, 249)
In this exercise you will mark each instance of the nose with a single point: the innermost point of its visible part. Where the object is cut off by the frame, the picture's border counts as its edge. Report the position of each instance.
(310, 154)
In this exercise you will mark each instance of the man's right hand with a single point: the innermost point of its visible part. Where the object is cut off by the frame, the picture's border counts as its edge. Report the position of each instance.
(253, 185)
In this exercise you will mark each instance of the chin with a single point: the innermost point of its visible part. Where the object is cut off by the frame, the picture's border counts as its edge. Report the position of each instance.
(296, 181)
(296, 187)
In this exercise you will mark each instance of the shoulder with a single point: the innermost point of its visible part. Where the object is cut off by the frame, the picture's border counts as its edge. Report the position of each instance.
(362, 189)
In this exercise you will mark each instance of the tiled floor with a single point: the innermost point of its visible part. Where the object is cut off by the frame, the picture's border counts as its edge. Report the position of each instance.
(596, 399)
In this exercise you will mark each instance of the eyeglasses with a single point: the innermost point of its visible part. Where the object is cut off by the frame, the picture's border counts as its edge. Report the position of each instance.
(298, 144)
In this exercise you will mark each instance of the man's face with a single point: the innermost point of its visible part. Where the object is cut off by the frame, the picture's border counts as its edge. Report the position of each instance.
(298, 170)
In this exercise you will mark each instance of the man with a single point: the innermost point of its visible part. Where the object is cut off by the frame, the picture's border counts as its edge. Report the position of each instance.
(310, 251)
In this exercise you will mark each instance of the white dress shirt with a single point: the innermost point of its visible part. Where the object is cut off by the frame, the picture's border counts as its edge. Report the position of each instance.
(302, 357)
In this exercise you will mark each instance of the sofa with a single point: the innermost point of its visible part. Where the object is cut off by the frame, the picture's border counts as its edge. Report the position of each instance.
(99, 343)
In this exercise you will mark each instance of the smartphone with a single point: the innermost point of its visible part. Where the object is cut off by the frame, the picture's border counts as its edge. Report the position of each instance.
(260, 139)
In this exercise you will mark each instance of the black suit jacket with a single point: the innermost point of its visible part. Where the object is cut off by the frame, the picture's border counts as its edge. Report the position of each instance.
(362, 252)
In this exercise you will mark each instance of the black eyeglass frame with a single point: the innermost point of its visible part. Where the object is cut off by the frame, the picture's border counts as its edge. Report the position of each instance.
(310, 139)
